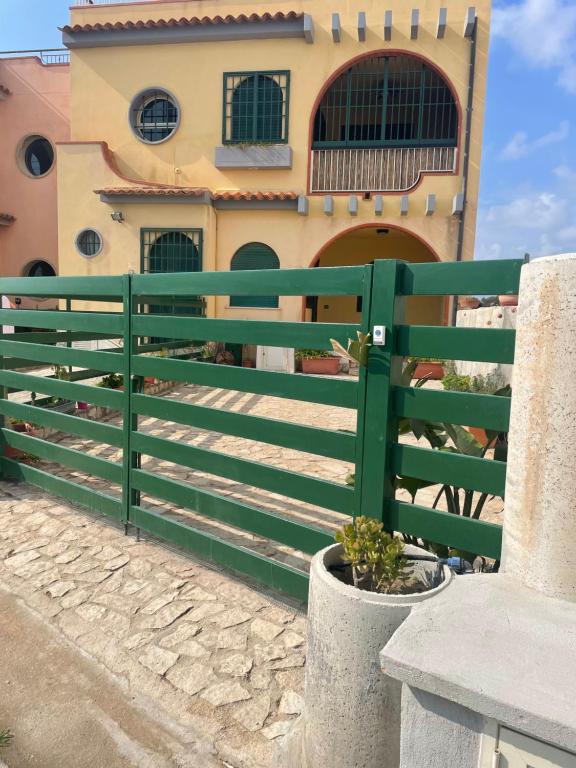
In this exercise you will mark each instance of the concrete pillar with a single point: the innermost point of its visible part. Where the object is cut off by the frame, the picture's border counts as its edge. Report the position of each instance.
(539, 545)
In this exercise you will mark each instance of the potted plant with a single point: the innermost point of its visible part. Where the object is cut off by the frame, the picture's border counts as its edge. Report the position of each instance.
(112, 381)
(429, 368)
(319, 363)
(468, 302)
(60, 403)
(361, 590)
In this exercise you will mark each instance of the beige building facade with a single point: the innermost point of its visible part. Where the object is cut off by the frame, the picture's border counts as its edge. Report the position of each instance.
(220, 136)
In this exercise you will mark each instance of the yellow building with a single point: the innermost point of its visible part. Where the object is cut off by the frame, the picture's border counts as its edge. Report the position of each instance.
(217, 135)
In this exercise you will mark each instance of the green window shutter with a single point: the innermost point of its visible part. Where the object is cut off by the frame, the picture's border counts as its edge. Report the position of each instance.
(254, 256)
(256, 107)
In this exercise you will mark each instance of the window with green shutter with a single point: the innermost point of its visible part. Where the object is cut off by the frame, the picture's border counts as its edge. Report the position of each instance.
(256, 107)
(254, 256)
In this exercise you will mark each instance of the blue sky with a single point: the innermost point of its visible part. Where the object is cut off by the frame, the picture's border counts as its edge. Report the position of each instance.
(528, 188)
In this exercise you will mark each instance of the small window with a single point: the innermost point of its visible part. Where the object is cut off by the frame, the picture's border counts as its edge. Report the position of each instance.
(254, 256)
(36, 156)
(154, 115)
(89, 243)
(256, 107)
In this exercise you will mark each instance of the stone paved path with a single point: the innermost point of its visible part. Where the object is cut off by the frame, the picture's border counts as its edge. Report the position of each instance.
(225, 659)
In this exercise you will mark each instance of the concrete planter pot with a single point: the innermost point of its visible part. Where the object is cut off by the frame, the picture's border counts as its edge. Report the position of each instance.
(351, 717)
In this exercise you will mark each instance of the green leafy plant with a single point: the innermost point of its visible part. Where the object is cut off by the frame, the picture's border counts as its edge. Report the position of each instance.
(301, 354)
(376, 558)
(111, 381)
(6, 737)
(61, 373)
(356, 351)
(456, 383)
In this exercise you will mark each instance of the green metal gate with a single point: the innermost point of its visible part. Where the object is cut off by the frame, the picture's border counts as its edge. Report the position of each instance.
(377, 396)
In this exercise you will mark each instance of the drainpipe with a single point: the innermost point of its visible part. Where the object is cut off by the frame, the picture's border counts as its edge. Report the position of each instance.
(466, 158)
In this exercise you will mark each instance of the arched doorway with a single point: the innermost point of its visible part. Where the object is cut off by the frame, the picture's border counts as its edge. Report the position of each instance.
(362, 245)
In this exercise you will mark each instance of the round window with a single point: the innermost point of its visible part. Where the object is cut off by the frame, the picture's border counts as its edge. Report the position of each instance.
(154, 115)
(36, 155)
(89, 243)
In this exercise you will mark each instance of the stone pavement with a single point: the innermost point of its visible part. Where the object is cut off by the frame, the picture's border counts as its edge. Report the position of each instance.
(223, 658)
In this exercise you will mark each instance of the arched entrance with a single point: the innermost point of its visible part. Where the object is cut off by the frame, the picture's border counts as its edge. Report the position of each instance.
(362, 245)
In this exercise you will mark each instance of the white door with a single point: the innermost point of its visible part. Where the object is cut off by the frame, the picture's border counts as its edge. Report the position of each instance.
(275, 359)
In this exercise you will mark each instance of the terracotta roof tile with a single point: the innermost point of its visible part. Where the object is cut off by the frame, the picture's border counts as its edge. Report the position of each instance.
(243, 195)
(195, 21)
(147, 190)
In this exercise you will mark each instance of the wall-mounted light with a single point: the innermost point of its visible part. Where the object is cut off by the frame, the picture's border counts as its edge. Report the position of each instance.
(117, 216)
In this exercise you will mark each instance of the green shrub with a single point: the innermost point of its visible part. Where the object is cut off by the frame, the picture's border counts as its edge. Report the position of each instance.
(377, 559)
(301, 354)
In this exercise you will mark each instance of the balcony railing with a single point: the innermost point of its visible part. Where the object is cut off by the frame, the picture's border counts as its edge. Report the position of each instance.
(377, 170)
(46, 55)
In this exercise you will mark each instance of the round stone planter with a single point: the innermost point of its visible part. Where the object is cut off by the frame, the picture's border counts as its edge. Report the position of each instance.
(351, 715)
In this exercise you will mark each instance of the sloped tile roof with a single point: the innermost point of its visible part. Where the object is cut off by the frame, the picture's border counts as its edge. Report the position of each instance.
(193, 22)
(153, 191)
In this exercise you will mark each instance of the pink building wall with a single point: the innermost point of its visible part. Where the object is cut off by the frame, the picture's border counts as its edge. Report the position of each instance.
(34, 100)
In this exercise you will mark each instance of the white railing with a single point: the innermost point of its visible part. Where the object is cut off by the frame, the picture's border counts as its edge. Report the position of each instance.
(377, 170)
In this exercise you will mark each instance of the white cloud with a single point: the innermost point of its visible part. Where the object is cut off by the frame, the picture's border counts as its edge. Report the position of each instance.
(520, 146)
(543, 33)
(538, 223)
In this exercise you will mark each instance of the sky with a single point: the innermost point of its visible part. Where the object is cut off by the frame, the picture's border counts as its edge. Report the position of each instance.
(528, 184)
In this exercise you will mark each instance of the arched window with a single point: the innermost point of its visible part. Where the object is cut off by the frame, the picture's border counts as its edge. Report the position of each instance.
(173, 251)
(391, 101)
(256, 107)
(40, 269)
(254, 256)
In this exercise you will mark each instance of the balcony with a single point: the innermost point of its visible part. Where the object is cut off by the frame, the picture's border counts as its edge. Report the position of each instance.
(377, 170)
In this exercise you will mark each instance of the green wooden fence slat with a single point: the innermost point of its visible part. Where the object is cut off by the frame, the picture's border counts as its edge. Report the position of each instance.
(275, 333)
(328, 281)
(315, 389)
(94, 287)
(268, 524)
(302, 487)
(70, 457)
(54, 337)
(74, 425)
(461, 278)
(44, 353)
(469, 472)
(65, 389)
(81, 494)
(490, 345)
(101, 322)
(454, 531)
(466, 408)
(262, 569)
(324, 442)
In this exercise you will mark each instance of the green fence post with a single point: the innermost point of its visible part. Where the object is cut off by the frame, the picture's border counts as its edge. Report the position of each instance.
(361, 408)
(129, 418)
(380, 424)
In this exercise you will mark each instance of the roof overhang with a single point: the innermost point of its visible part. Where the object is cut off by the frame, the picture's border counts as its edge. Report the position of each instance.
(223, 200)
(264, 26)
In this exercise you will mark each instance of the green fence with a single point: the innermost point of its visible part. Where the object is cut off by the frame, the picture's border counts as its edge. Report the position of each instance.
(377, 397)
